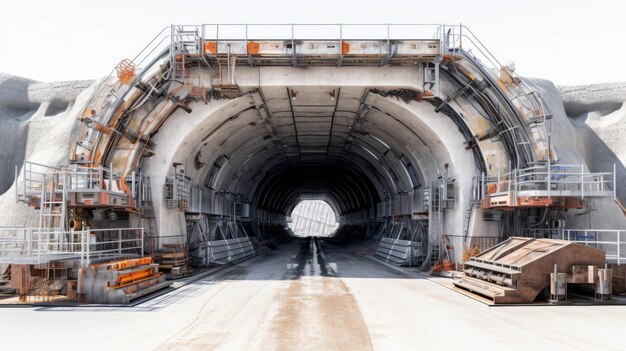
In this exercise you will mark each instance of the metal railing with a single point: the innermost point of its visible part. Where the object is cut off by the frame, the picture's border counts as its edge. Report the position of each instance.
(551, 180)
(319, 31)
(108, 92)
(73, 179)
(460, 40)
(34, 178)
(481, 242)
(177, 192)
(608, 240)
(37, 246)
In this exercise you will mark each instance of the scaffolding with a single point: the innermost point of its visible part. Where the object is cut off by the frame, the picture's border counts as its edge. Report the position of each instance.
(558, 186)
(177, 190)
(45, 187)
(54, 191)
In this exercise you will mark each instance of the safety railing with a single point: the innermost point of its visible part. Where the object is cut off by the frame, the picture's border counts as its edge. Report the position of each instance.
(34, 178)
(177, 191)
(551, 180)
(74, 179)
(460, 40)
(480, 242)
(109, 90)
(612, 241)
(191, 39)
(37, 246)
(319, 31)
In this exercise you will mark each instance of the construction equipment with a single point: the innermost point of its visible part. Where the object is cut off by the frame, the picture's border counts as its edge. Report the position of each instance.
(125, 71)
(555, 186)
(120, 281)
(172, 260)
(518, 269)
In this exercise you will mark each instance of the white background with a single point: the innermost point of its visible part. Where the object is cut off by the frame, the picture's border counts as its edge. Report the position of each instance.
(569, 42)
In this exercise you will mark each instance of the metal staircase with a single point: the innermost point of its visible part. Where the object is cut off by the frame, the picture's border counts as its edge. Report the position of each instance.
(432, 200)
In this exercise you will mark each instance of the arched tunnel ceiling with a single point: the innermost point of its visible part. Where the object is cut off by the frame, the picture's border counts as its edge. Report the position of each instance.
(346, 145)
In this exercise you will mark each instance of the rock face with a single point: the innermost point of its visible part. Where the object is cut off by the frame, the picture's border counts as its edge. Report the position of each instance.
(598, 113)
(36, 120)
(587, 122)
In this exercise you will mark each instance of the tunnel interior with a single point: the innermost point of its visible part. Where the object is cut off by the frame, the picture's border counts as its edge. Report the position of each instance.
(369, 153)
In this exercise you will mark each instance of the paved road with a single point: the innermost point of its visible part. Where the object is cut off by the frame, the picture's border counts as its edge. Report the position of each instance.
(309, 297)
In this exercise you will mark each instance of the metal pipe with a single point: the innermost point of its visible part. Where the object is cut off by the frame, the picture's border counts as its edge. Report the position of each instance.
(619, 241)
(614, 183)
(549, 181)
(582, 181)
(133, 189)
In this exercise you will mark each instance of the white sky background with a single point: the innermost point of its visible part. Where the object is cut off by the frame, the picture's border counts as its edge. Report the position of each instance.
(568, 42)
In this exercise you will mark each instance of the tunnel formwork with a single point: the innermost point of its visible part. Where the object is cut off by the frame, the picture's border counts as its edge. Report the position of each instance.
(419, 136)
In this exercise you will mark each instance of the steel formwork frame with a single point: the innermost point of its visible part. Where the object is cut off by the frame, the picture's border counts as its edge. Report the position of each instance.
(528, 122)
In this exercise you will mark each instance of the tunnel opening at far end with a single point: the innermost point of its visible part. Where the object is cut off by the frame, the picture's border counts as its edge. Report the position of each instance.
(313, 218)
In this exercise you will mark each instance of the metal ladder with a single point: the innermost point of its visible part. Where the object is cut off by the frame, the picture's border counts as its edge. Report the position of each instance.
(184, 42)
(52, 212)
(147, 215)
(434, 221)
(435, 254)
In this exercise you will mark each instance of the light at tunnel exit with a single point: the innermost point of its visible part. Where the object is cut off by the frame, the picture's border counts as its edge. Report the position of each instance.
(313, 218)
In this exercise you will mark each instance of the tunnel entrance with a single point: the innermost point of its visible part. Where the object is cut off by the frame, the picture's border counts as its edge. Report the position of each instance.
(416, 144)
(371, 156)
(422, 151)
(313, 218)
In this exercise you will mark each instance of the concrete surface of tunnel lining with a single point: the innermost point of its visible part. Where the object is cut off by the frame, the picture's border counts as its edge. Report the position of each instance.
(373, 163)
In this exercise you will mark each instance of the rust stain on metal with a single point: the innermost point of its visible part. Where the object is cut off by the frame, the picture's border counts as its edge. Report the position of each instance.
(518, 269)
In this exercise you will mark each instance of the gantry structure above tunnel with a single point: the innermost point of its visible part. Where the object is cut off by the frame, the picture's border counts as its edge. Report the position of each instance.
(219, 131)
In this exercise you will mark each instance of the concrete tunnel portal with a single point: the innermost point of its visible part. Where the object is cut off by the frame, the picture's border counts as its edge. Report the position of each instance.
(353, 146)
(399, 140)
(425, 146)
